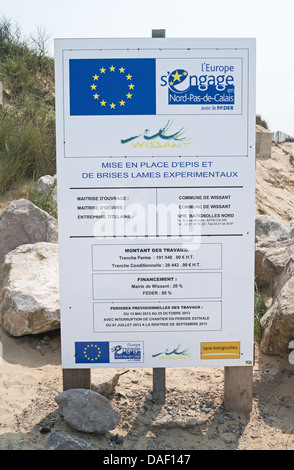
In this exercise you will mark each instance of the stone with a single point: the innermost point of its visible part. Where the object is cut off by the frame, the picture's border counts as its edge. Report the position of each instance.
(274, 245)
(291, 355)
(268, 226)
(87, 411)
(271, 259)
(278, 322)
(46, 187)
(64, 441)
(291, 228)
(30, 289)
(117, 439)
(108, 387)
(45, 184)
(24, 223)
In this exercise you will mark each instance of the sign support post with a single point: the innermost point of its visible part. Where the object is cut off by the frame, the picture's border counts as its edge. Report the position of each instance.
(76, 378)
(238, 389)
(159, 372)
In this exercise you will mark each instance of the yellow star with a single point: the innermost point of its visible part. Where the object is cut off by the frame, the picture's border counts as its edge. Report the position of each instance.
(122, 102)
(95, 77)
(171, 83)
(96, 96)
(122, 70)
(103, 103)
(131, 86)
(102, 70)
(112, 69)
(112, 106)
(129, 95)
(93, 87)
(129, 77)
(177, 76)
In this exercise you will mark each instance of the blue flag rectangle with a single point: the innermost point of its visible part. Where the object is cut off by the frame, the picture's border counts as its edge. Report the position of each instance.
(91, 352)
(110, 87)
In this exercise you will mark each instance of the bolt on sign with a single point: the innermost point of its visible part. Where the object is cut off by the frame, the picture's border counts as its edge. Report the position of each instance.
(156, 170)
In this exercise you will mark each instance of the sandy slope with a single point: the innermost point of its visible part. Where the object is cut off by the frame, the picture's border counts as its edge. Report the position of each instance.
(275, 183)
(193, 416)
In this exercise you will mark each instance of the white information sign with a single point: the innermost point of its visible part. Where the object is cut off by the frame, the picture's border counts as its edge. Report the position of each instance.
(156, 207)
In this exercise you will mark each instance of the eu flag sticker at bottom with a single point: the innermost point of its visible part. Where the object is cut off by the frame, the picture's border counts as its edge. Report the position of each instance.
(91, 352)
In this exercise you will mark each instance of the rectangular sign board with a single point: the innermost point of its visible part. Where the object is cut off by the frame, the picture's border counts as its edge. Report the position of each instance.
(156, 205)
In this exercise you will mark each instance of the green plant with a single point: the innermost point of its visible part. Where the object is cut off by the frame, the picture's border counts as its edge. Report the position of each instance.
(27, 117)
(261, 122)
(45, 202)
(27, 149)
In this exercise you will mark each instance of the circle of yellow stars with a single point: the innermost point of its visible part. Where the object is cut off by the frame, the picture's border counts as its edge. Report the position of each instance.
(125, 98)
(92, 357)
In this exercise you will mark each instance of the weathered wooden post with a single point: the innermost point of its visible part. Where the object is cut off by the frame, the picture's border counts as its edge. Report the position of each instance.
(76, 378)
(238, 389)
(158, 373)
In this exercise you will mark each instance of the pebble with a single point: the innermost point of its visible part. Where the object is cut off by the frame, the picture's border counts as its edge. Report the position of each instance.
(45, 429)
(117, 439)
(220, 420)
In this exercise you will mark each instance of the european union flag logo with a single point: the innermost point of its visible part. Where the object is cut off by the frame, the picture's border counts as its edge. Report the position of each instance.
(91, 352)
(112, 87)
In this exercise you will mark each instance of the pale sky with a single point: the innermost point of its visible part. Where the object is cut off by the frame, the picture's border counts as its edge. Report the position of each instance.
(269, 21)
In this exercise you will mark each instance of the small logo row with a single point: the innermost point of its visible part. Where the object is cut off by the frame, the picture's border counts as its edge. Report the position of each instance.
(105, 352)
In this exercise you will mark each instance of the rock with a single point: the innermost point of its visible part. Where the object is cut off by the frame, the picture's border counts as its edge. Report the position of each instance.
(291, 228)
(64, 441)
(274, 268)
(291, 355)
(46, 188)
(278, 322)
(108, 387)
(117, 439)
(46, 184)
(271, 259)
(23, 223)
(283, 277)
(87, 411)
(274, 245)
(268, 226)
(30, 289)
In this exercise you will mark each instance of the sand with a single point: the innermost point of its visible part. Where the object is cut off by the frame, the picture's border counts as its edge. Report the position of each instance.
(275, 183)
(193, 416)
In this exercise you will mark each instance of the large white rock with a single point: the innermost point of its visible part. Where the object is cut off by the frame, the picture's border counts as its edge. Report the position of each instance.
(22, 222)
(46, 184)
(274, 245)
(268, 226)
(271, 259)
(30, 289)
(278, 322)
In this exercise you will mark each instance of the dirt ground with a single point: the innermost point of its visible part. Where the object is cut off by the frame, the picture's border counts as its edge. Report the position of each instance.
(193, 416)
